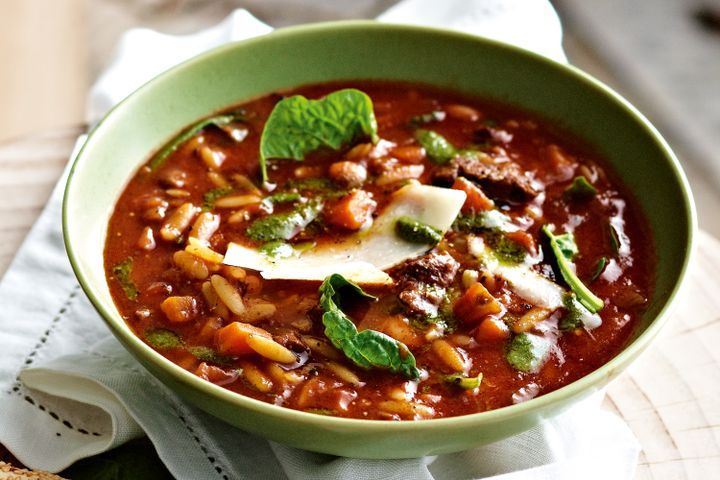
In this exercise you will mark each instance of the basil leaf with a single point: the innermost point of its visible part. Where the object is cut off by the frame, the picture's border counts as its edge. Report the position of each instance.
(413, 231)
(580, 189)
(298, 126)
(464, 382)
(218, 121)
(527, 352)
(163, 339)
(438, 149)
(369, 348)
(122, 272)
(565, 249)
(284, 226)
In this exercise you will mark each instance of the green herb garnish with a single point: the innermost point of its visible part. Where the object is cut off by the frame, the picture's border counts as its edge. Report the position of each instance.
(277, 249)
(122, 272)
(162, 339)
(438, 149)
(212, 196)
(580, 189)
(504, 249)
(369, 348)
(614, 239)
(298, 126)
(284, 226)
(481, 222)
(207, 354)
(527, 352)
(310, 184)
(425, 118)
(599, 267)
(281, 197)
(461, 381)
(414, 231)
(218, 121)
(564, 248)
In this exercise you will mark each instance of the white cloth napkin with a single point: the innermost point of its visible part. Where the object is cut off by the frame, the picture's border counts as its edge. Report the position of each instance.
(69, 390)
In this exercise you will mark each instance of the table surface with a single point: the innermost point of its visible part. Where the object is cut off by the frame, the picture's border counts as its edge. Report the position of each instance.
(670, 397)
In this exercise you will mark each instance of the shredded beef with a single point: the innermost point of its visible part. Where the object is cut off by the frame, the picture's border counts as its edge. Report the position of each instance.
(423, 281)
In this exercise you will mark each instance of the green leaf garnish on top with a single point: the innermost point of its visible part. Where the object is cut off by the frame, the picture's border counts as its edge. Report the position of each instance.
(369, 348)
(564, 248)
(298, 126)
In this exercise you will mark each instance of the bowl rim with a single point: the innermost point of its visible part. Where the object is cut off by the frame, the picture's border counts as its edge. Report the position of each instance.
(578, 387)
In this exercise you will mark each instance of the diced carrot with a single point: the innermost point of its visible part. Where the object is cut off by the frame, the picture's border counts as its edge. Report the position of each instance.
(352, 211)
(492, 329)
(475, 304)
(524, 239)
(209, 328)
(232, 339)
(476, 200)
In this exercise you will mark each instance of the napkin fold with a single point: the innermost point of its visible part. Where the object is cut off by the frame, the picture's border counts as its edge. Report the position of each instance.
(68, 390)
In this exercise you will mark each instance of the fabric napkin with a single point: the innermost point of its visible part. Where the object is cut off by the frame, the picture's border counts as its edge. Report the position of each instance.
(69, 390)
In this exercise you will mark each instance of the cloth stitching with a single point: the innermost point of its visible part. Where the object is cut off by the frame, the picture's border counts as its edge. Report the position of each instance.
(32, 401)
(42, 341)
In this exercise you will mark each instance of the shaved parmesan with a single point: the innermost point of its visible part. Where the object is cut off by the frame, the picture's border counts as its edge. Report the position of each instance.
(523, 280)
(361, 257)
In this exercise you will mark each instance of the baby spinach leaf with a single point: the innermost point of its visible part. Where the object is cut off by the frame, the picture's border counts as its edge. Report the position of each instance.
(564, 248)
(527, 352)
(284, 226)
(122, 272)
(414, 231)
(162, 339)
(461, 381)
(369, 348)
(218, 120)
(438, 149)
(580, 189)
(298, 126)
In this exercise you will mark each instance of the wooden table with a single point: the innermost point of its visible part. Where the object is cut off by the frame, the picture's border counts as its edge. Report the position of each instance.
(670, 397)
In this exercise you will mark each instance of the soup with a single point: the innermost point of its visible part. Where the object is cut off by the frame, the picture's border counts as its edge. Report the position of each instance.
(379, 250)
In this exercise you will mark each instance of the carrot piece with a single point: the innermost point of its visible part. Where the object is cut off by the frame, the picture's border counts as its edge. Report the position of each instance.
(492, 329)
(476, 200)
(232, 339)
(475, 304)
(352, 211)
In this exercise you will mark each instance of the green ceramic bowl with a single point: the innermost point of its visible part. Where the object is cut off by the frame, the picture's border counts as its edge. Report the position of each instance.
(369, 50)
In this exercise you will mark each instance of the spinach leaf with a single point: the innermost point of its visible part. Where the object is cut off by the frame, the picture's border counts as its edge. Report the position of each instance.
(527, 352)
(122, 272)
(298, 126)
(212, 196)
(438, 149)
(461, 381)
(565, 249)
(284, 226)
(217, 120)
(580, 189)
(599, 267)
(162, 339)
(369, 348)
(414, 231)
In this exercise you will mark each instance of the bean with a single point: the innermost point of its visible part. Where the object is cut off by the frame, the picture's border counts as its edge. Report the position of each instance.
(308, 172)
(407, 409)
(529, 319)
(359, 151)
(155, 209)
(343, 373)
(449, 355)
(349, 174)
(462, 112)
(177, 193)
(245, 184)
(469, 277)
(214, 302)
(228, 294)
(190, 265)
(205, 226)
(258, 311)
(282, 376)
(236, 201)
(173, 178)
(256, 378)
(213, 159)
(217, 179)
(234, 272)
(271, 349)
(203, 251)
(147, 239)
(409, 153)
(321, 347)
(178, 222)
(399, 173)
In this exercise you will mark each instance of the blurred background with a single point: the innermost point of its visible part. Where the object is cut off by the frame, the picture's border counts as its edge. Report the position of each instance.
(664, 55)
